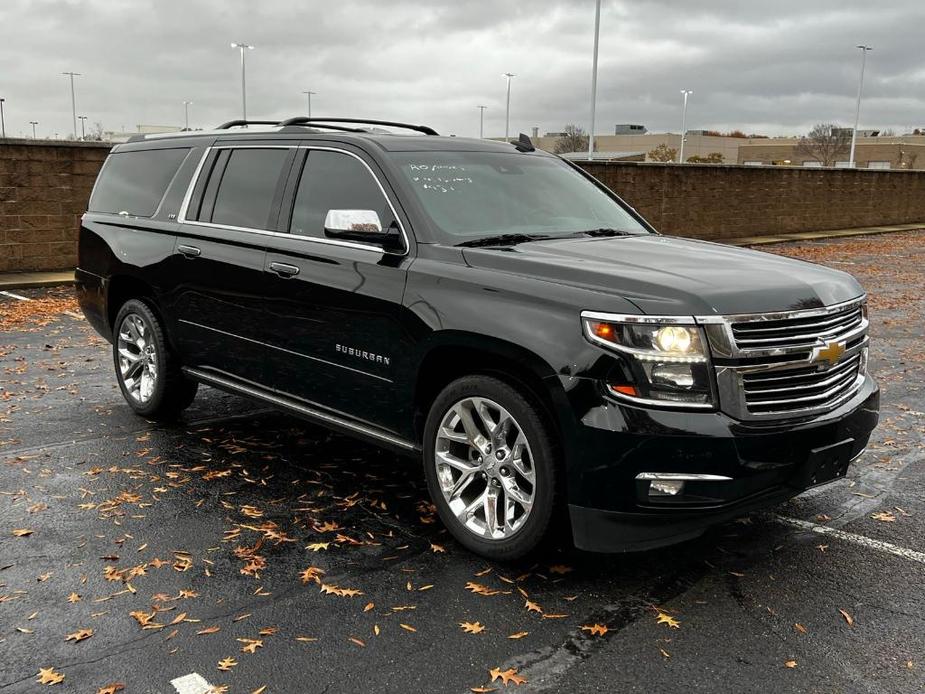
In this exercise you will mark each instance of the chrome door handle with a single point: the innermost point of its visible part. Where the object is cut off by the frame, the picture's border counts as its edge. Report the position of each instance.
(189, 251)
(284, 270)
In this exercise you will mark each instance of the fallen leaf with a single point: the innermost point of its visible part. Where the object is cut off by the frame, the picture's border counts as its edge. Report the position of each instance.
(369, 606)
(312, 574)
(357, 641)
(848, 618)
(482, 690)
(250, 645)
(208, 630)
(318, 546)
(226, 664)
(22, 532)
(800, 628)
(533, 607)
(111, 688)
(472, 627)
(506, 676)
(260, 690)
(73, 597)
(479, 589)
(330, 589)
(560, 569)
(595, 629)
(518, 635)
(883, 517)
(79, 635)
(663, 618)
(47, 675)
(435, 548)
(407, 627)
(791, 664)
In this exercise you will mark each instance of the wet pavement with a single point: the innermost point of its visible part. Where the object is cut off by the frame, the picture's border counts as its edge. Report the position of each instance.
(258, 551)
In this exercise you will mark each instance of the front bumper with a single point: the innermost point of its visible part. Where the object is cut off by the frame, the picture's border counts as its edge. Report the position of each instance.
(749, 466)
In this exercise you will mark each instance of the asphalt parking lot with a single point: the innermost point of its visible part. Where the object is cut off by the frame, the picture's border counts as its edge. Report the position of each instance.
(248, 550)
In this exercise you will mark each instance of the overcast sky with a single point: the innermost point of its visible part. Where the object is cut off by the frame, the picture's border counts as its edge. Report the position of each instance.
(773, 67)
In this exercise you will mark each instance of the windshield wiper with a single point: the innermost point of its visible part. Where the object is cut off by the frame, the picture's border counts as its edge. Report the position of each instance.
(606, 232)
(504, 240)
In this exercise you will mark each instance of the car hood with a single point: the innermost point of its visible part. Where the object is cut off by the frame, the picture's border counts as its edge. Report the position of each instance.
(673, 276)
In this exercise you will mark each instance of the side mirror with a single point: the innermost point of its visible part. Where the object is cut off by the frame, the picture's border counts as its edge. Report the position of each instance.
(362, 226)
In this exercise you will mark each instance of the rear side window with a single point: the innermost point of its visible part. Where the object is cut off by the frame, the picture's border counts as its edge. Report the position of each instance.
(135, 182)
(248, 186)
(335, 181)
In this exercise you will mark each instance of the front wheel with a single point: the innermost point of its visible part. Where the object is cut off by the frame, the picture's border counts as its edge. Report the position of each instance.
(148, 372)
(490, 463)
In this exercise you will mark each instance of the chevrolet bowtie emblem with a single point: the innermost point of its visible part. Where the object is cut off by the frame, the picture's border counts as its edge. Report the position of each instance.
(831, 353)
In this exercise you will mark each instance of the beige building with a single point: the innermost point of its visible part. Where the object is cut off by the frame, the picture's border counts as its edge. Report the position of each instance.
(884, 152)
(697, 144)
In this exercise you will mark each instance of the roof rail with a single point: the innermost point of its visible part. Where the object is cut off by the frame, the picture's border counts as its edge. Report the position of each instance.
(236, 123)
(301, 120)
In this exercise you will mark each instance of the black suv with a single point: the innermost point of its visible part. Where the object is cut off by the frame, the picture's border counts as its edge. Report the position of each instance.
(487, 307)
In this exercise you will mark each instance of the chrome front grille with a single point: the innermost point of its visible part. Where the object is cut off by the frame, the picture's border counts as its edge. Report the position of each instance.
(796, 331)
(790, 364)
(783, 390)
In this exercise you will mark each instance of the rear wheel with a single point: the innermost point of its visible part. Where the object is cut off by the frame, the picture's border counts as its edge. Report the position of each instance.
(490, 463)
(148, 372)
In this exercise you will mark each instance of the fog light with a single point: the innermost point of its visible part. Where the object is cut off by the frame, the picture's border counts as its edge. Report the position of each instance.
(666, 488)
(677, 376)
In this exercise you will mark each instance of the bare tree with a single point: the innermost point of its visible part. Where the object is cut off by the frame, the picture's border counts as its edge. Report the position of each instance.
(824, 143)
(663, 153)
(574, 139)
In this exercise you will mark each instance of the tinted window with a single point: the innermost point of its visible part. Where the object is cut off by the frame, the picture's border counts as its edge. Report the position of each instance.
(135, 182)
(245, 194)
(335, 181)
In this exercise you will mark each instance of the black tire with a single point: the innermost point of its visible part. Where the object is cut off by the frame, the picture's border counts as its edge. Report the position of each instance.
(545, 465)
(170, 391)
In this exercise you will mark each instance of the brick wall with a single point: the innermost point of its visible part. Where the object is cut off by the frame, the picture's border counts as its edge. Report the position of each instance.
(722, 202)
(44, 188)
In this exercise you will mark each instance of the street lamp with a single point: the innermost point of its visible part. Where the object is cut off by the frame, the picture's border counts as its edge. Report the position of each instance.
(309, 95)
(481, 121)
(186, 105)
(686, 93)
(243, 47)
(83, 129)
(72, 75)
(597, 36)
(857, 113)
(2, 121)
(34, 123)
(507, 114)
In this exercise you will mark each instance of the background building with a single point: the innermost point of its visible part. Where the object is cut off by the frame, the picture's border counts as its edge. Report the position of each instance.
(883, 152)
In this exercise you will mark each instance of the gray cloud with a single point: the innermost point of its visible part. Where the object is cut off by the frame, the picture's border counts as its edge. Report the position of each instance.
(767, 67)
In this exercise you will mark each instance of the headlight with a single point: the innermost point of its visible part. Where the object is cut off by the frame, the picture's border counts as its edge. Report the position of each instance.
(664, 361)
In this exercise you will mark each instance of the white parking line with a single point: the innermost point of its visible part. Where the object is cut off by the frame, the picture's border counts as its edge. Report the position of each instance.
(193, 683)
(16, 296)
(859, 540)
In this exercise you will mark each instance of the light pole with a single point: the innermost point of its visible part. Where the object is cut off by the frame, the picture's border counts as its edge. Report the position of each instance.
(2, 121)
(857, 112)
(72, 75)
(34, 123)
(686, 93)
(309, 95)
(507, 113)
(186, 105)
(482, 121)
(597, 36)
(243, 47)
(83, 129)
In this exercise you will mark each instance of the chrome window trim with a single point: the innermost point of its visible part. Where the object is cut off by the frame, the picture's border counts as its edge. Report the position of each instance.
(181, 217)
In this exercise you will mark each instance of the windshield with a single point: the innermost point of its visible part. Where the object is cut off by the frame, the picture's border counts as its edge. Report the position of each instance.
(469, 195)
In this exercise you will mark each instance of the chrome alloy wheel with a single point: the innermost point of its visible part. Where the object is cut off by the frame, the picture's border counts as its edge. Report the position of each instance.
(485, 468)
(137, 358)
